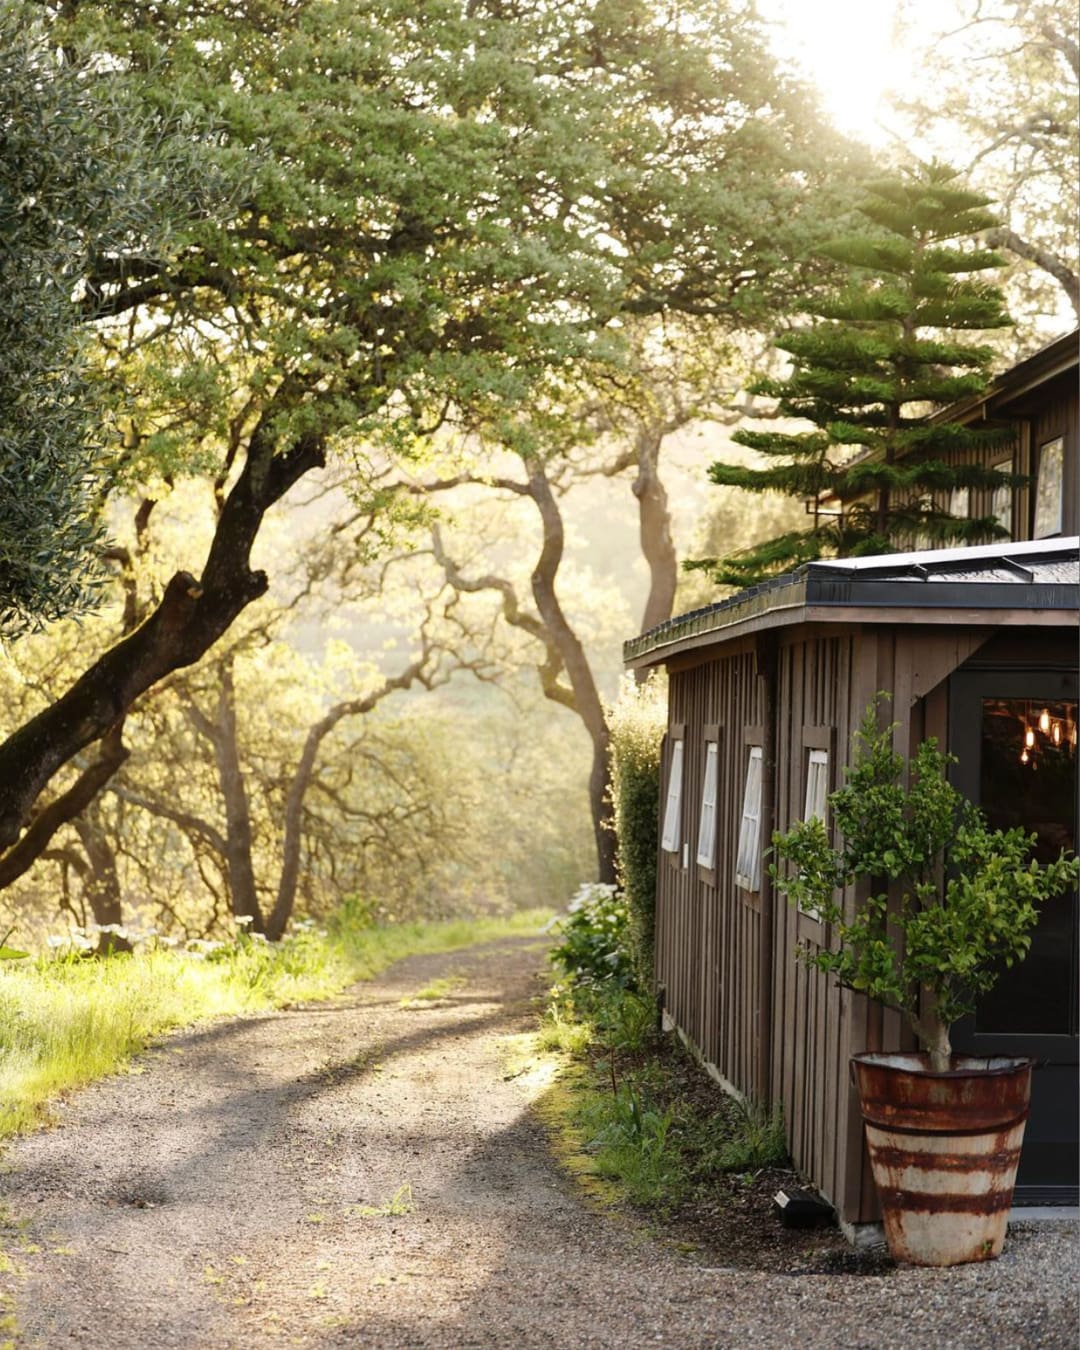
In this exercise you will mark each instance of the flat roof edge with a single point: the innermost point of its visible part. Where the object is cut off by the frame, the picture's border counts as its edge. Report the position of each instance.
(927, 581)
(839, 615)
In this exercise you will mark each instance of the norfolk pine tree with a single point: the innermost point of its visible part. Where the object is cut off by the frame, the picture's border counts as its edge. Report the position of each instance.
(886, 346)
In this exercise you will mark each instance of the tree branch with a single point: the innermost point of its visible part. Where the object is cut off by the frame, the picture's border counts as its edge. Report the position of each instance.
(190, 617)
(22, 855)
(1042, 258)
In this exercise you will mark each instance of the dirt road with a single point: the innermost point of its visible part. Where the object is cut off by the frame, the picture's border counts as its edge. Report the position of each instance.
(367, 1173)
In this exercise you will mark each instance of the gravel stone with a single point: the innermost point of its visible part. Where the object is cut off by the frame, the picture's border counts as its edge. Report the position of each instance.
(367, 1173)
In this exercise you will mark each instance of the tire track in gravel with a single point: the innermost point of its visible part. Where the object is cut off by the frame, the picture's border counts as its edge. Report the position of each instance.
(237, 1193)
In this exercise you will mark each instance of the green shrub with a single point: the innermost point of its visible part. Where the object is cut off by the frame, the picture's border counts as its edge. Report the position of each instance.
(636, 723)
(593, 932)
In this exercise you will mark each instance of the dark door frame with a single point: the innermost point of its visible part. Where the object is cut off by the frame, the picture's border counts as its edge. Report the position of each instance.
(967, 689)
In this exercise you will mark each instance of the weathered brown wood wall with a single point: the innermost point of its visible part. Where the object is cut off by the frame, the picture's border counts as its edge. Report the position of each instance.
(709, 929)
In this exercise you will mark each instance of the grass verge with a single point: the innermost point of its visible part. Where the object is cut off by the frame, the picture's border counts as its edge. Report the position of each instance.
(65, 1022)
(635, 1112)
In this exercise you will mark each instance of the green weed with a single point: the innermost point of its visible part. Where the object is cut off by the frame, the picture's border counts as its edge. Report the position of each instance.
(753, 1138)
(437, 989)
(399, 1204)
(634, 1143)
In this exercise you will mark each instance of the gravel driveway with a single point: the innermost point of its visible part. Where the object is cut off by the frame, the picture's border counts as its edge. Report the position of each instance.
(367, 1173)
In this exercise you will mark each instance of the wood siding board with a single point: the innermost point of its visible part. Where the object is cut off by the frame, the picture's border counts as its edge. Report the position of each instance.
(708, 935)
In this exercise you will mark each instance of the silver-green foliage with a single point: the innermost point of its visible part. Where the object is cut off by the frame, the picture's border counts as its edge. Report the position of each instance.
(636, 724)
(949, 902)
(47, 529)
(83, 182)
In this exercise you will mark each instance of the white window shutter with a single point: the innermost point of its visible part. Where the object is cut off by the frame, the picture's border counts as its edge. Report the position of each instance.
(748, 863)
(669, 839)
(706, 849)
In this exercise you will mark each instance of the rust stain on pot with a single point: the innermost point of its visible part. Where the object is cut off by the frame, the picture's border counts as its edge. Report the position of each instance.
(931, 1202)
(944, 1149)
(992, 1160)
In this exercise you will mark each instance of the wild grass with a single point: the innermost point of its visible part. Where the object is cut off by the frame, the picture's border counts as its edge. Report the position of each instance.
(438, 989)
(67, 1021)
(399, 1204)
(639, 1111)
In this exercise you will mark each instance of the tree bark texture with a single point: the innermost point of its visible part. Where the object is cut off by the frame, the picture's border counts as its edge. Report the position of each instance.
(587, 700)
(239, 860)
(654, 527)
(101, 883)
(190, 617)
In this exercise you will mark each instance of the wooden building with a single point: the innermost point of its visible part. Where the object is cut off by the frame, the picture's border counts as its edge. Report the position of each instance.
(978, 646)
(1037, 401)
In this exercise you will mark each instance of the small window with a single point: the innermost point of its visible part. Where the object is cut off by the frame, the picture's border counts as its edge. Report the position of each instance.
(1001, 503)
(817, 785)
(748, 864)
(669, 840)
(1048, 489)
(960, 503)
(706, 848)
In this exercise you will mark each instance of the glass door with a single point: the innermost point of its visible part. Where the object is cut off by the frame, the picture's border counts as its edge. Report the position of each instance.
(1015, 734)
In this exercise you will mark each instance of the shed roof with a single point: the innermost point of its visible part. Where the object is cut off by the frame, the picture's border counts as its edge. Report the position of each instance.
(1035, 583)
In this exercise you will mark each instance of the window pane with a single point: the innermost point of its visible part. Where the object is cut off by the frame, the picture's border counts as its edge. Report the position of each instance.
(1048, 489)
(817, 784)
(960, 502)
(1033, 787)
(748, 864)
(1001, 504)
(673, 809)
(706, 854)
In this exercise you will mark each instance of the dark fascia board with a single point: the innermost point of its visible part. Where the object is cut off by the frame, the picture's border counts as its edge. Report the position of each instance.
(837, 593)
(1057, 358)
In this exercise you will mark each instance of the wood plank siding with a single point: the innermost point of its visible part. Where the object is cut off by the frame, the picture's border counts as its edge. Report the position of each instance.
(709, 929)
(790, 667)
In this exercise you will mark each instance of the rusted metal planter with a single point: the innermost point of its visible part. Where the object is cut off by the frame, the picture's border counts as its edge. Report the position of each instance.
(944, 1148)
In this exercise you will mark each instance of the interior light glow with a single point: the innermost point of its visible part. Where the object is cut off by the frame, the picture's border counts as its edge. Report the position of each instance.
(1044, 721)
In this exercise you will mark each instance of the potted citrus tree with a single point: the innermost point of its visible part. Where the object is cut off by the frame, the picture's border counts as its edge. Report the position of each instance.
(925, 905)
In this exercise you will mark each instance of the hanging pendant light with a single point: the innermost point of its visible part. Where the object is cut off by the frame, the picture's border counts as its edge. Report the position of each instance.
(1044, 721)
(1029, 738)
(1055, 733)
(1024, 756)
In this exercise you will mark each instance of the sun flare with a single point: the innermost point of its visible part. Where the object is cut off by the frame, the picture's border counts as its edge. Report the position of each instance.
(854, 51)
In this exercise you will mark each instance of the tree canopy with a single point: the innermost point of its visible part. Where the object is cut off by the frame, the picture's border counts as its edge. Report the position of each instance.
(999, 97)
(60, 199)
(888, 346)
(437, 215)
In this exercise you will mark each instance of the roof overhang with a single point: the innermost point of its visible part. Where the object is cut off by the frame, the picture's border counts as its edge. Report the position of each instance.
(1057, 358)
(1011, 585)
